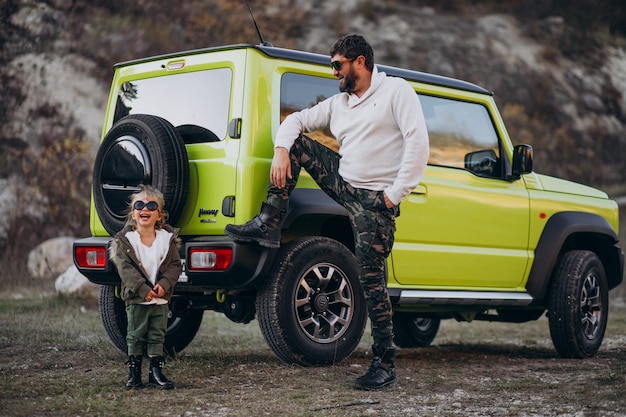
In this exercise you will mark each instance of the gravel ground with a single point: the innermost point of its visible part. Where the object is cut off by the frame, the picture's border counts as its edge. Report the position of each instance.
(57, 361)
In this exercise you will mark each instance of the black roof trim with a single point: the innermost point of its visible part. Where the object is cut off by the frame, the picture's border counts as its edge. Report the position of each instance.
(393, 71)
(314, 58)
(183, 53)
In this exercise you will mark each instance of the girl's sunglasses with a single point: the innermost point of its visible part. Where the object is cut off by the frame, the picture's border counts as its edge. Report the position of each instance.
(150, 205)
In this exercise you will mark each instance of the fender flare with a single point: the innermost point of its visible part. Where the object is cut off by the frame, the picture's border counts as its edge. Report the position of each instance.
(305, 201)
(308, 203)
(574, 230)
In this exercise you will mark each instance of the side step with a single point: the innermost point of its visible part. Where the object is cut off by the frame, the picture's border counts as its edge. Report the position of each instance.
(465, 298)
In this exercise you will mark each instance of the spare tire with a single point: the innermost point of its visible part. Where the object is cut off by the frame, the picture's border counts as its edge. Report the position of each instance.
(139, 149)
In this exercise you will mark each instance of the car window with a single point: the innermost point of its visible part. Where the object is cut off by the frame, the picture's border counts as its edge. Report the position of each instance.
(298, 91)
(197, 103)
(461, 135)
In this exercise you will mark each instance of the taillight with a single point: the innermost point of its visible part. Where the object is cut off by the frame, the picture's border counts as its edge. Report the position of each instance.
(209, 259)
(91, 256)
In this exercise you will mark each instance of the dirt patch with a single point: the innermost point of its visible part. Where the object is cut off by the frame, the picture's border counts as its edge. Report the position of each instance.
(57, 361)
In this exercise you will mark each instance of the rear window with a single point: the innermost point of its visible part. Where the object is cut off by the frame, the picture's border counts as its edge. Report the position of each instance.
(298, 91)
(197, 103)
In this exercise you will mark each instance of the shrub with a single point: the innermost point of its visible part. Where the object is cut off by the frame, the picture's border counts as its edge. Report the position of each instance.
(51, 199)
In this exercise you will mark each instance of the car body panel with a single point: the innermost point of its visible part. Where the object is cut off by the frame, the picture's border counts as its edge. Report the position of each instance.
(464, 239)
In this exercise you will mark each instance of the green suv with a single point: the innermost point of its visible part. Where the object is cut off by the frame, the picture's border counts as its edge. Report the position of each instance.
(483, 237)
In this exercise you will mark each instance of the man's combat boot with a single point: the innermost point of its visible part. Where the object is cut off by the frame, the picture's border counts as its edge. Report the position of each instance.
(382, 372)
(134, 373)
(156, 379)
(264, 228)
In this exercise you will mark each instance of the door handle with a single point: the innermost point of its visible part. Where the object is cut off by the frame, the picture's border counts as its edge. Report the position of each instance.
(420, 189)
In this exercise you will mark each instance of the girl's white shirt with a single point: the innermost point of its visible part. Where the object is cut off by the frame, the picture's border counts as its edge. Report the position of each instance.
(151, 257)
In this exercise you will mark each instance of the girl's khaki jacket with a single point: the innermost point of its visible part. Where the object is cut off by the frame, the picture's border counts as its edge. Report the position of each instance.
(135, 282)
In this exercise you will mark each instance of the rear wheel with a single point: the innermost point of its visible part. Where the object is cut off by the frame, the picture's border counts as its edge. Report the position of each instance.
(578, 305)
(113, 316)
(182, 326)
(139, 149)
(312, 310)
(410, 330)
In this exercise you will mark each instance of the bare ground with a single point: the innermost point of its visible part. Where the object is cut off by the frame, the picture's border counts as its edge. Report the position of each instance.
(57, 361)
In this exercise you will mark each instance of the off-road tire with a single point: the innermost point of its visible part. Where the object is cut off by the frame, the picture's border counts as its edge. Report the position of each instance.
(113, 316)
(312, 310)
(181, 329)
(578, 305)
(412, 331)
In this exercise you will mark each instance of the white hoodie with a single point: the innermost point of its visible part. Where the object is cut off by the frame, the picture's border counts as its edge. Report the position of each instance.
(382, 136)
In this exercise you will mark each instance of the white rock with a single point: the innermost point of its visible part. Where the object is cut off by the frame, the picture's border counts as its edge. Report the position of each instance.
(72, 282)
(64, 82)
(39, 20)
(51, 258)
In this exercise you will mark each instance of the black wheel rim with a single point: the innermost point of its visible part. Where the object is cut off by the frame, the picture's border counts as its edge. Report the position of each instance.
(422, 324)
(324, 303)
(591, 307)
(172, 321)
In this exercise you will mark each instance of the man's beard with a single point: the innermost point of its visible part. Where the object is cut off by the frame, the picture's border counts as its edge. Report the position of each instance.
(348, 83)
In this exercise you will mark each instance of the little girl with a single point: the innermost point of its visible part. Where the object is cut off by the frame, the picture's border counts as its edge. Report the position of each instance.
(146, 255)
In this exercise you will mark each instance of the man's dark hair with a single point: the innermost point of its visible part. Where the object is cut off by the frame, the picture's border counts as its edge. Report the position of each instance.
(352, 46)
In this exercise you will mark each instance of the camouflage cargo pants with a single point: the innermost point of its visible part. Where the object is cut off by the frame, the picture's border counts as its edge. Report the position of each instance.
(373, 225)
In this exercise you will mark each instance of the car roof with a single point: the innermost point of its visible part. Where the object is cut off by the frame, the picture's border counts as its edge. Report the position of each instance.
(301, 56)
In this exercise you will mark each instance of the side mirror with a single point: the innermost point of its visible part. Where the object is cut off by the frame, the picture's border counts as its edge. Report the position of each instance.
(482, 163)
(522, 161)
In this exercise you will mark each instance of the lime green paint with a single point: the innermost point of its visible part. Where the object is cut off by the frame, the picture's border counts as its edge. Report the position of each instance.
(456, 231)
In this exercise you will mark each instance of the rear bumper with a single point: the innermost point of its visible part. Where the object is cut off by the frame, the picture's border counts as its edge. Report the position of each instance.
(250, 263)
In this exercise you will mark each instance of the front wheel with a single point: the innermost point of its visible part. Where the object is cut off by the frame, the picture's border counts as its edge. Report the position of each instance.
(312, 309)
(578, 305)
(181, 326)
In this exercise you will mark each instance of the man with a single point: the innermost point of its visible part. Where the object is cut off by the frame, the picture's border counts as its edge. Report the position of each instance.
(383, 151)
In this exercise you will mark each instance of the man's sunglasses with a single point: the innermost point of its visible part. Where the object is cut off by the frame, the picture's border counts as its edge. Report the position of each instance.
(336, 65)
(150, 205)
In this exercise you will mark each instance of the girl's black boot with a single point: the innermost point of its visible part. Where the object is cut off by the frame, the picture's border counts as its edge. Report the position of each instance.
(134, 373)
(156, 378)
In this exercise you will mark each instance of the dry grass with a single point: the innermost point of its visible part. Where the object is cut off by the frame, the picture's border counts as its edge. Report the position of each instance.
(57, 361)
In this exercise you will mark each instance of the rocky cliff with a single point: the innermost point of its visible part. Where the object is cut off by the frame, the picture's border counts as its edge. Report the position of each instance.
(559, 90)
